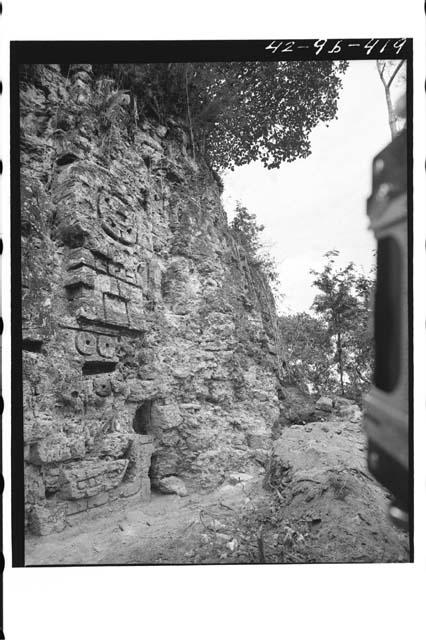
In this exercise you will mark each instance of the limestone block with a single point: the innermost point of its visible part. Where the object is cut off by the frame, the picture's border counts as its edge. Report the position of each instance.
(115, 444)
(140, 390)
(89, 478)
(36, 429)
(52, 449)
(98, 500)
(324, 403)
(115, 310)
(77, 444)
(107, 284)
(165, 416)
(51, 478)
(88, 305)
(136, 316)
(145, 489)
(170, 438)
(259, 440)
(172, 484)
(72, 507)
(82, 276)
(350, 412)
(34, 485)
(44, 520)
(128, 489)
(80, 257)
(164, 463)
(139, 456)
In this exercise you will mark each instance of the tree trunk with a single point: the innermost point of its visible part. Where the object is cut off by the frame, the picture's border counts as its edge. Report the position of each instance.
(391, 114)
(339, 355)
(387, 85)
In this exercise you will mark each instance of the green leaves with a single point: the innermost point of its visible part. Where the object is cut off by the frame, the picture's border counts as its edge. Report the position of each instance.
(240, 111)
(308, 347)
(343, 304)
(246, 230)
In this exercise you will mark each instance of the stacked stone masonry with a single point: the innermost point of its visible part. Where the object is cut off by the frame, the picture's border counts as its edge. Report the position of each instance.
(150, 340)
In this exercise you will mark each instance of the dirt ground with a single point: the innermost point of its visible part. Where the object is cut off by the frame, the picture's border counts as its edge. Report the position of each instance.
(315, 503)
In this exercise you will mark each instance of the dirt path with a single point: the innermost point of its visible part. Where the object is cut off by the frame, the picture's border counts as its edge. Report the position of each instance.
(162, 531)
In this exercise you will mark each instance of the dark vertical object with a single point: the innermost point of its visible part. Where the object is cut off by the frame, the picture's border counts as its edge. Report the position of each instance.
(17, 436)
(1, 455)
(410, 295)
(387, 320)
(142, 419)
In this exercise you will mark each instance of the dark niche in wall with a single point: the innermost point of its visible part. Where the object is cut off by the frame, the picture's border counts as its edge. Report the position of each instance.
(142, 422)
(32, 344)
(93, 367)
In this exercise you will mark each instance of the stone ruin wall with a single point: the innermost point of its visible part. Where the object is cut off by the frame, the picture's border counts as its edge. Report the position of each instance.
(149, 342)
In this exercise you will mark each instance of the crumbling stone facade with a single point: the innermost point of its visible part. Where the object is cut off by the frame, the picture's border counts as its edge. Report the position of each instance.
(150, 340)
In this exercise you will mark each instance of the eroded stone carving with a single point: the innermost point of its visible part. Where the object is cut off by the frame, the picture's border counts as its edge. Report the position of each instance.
(140, 297)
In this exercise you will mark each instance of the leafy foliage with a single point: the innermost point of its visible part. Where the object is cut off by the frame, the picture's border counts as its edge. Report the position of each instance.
(238, 112)
(308, 349)
(332, 350)
(247, 232)
(343, 305)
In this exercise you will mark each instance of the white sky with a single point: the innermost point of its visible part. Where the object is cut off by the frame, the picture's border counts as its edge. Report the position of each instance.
(313, 205)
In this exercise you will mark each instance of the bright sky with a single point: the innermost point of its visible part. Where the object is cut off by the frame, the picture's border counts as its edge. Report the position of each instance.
(313, 205)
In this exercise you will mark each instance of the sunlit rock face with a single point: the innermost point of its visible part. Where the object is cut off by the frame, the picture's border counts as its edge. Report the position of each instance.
(150, 341)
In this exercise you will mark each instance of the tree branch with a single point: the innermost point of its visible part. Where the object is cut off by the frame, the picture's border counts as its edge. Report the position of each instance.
(394, 73)
(381, 70)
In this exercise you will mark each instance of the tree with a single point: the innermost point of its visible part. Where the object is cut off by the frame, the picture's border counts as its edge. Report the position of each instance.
(388, 71)
(308, 351)
(359, 352)
(343, 304)
(238, 112)
(247, 232)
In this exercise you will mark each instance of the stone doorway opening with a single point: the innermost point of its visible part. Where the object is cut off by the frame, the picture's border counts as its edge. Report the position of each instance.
(143, 425)
(142, 421)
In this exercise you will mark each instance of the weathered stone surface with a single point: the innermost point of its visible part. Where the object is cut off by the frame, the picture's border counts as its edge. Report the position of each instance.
(145, 491)
(135, 291)
(86, 479)
(35, 430)
(172, 484)
(238, 477)
(76, 506)
(139, 456)
(115, 444)
(349, 411)
(259, 440)
(34, 485)
(98, 500)
(56, 448)
(326, 404)
(166, 416)
(43, 521)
